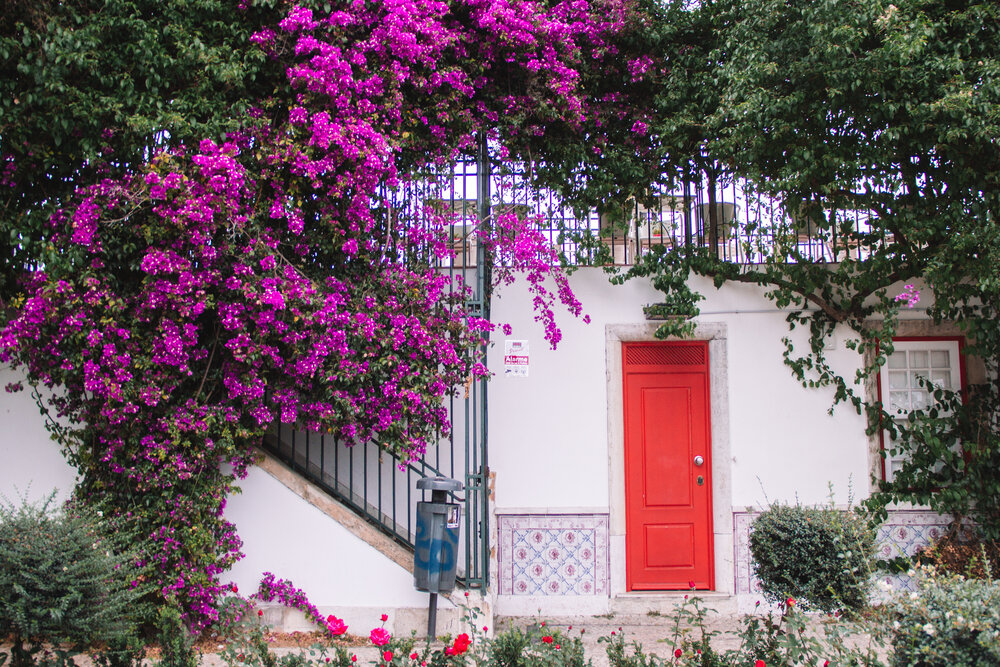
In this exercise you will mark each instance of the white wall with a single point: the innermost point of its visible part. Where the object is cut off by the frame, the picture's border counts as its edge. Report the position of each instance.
(549, 441)
(285, 535)
(548, 432)
(31, 463)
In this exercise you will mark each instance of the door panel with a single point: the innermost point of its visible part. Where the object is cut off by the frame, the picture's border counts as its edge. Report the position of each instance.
(664, 420)
(668, 512)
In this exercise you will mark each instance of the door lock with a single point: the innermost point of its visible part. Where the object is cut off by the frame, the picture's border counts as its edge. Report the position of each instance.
(701, 480)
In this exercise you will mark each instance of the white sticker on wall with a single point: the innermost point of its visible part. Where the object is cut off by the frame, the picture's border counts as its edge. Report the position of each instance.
(515, 358)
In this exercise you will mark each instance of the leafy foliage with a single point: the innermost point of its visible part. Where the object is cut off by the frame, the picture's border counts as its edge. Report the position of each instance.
(176, 643)
(949, 621)
(759, 641)
(835, 110)
(535, 645)
(88, 88)
(820, 557)
(954, 555)
(63, 578)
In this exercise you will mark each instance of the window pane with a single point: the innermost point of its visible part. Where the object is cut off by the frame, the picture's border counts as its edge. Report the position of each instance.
(941, 379)
(899, 401)
(897, 380)
(940, 359)
(908, 382)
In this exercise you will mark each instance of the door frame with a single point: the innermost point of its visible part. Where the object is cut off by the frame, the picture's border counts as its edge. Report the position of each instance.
(715, 333)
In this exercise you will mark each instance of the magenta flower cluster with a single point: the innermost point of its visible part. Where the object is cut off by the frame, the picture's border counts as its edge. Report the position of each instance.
(272, 589)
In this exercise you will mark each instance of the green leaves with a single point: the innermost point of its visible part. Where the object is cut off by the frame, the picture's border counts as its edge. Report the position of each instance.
(63, 577)
(77, 79)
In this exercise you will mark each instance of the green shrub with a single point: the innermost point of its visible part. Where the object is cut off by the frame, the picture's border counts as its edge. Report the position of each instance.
(63, 580)
(508, 648)
(176, 641)
(535, 645)
(819, 556)
(949, 621)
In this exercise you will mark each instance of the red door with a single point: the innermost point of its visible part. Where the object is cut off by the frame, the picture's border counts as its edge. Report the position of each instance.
(668, 497)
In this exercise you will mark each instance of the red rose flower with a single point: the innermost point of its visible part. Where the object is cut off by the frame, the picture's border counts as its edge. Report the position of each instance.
(387, 656)
(678, 652)
(547, 639)
(385, 617)
(335, 625)
(760, 663)
(460, 646)
(380, 636)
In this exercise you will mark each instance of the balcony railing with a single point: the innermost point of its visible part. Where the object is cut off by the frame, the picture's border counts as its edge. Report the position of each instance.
(724, 215)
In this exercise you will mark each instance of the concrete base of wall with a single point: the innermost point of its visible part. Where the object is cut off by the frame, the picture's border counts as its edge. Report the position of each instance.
(626, 604)
(664, 604)
(404, 621)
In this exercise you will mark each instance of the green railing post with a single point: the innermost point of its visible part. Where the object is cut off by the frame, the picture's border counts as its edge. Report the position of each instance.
(476, 461)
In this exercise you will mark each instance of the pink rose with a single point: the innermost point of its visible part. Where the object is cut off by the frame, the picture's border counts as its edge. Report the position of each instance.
(380, 636)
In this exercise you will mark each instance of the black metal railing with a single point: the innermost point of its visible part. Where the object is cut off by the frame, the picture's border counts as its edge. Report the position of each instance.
(381, 489)
(721, 213)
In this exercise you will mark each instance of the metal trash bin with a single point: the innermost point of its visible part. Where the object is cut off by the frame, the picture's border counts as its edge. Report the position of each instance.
(435, 552)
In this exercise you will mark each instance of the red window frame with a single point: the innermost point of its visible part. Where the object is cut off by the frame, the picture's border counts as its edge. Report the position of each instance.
(963, 381)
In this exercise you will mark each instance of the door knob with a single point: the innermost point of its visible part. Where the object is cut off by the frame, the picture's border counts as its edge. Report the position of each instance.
(698, 460)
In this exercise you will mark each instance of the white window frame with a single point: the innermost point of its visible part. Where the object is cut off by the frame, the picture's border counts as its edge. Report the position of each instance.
(899, 391)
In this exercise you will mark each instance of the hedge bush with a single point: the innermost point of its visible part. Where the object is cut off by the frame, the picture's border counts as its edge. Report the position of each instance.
(62, 581)
(949, 621)
(819, 556)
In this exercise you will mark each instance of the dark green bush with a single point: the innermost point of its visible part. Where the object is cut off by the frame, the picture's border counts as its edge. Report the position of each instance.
(950, 621)
(819, 556)
(63, 580)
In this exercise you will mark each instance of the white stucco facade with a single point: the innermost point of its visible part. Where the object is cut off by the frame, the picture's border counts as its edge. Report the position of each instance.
(556, 460)
(32, 464)
(556, 435)
(784, 444)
